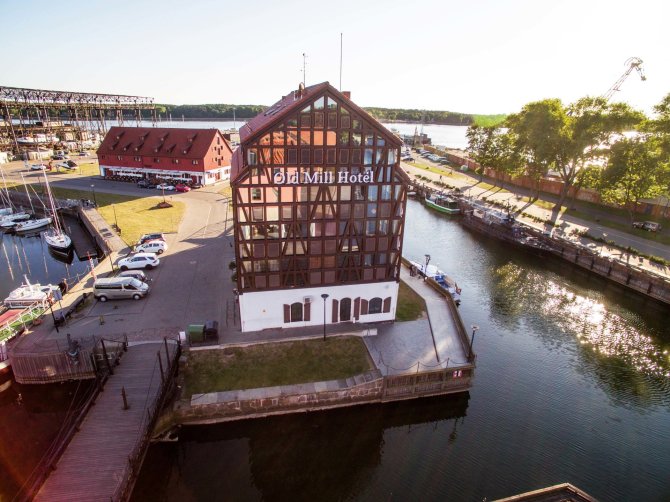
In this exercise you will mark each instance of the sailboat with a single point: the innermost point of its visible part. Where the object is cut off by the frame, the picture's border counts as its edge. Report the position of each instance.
(9, 216)
(55, 237)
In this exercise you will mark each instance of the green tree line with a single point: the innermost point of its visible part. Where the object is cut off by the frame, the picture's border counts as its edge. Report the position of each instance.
(590, 143)
(211, 111)
(225, 111)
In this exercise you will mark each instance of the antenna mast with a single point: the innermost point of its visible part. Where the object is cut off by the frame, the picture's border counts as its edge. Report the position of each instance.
(304, 69)
(340, 61)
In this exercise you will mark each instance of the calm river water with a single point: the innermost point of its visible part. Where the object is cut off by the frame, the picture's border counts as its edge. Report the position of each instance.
(572, 385)
(28, 429)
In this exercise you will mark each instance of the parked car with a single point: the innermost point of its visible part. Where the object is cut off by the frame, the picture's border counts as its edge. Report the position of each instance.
(83, 154)
(145, 184)
(156, 246)
(119, 288)
(57, 157)
(38, 167)
(182, 188)
(196, 185)
(139, 260)
(165, 186)
(151, 237)
(649, 226)
(137, 274)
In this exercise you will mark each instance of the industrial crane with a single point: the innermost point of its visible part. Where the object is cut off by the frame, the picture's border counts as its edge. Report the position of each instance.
(632, 64)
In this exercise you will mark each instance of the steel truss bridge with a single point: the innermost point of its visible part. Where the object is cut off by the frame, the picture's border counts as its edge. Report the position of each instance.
(26, 112)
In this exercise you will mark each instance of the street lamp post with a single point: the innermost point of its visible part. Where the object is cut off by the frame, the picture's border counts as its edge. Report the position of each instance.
(324, 296)
(425, 270)
(472, 340)
(95, 201)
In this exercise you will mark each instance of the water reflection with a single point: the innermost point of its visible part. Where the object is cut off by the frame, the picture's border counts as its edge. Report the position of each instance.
(315, 456)
(628, 356)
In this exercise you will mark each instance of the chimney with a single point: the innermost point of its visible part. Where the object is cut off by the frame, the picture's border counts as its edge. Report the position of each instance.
(301, 90)
(347, 94)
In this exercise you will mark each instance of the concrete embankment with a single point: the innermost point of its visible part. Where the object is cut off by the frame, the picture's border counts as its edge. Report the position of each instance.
(368, 388)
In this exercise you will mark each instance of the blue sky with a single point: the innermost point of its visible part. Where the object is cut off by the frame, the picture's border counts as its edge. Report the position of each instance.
(481, 56)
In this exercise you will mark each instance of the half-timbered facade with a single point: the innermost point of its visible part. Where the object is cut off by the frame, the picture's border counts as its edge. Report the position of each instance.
(165, 154)
(319, 209)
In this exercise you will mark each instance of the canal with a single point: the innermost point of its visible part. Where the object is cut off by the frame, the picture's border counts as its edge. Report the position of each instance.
(572, 385)
(31, 415)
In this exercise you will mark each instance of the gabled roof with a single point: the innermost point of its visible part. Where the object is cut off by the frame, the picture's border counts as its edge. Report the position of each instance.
(160, 142)
(294, 101)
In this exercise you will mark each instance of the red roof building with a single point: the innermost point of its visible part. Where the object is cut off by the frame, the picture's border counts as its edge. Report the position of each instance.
(165, 154)
(319, 211)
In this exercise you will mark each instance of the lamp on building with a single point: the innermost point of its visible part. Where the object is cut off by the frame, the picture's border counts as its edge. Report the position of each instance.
(324, 296)
(425, 270)
(95, 201)
(472, 340)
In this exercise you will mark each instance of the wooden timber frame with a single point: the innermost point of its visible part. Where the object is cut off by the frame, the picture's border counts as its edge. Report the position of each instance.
(302, 215)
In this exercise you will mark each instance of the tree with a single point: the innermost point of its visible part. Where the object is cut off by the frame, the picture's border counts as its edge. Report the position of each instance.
(493, 147)
(567, 139)
(633, 172)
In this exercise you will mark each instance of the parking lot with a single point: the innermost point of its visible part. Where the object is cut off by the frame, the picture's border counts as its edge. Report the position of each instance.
(191, 285)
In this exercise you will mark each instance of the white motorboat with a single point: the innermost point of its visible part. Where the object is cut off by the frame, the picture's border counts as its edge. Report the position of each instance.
(442, 279)
(28, 294)
(28, 225)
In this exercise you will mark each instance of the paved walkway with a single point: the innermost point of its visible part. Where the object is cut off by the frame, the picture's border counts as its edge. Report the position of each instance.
(94, 465)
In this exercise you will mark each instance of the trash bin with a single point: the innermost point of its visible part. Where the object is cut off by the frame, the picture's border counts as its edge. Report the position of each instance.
(196, 333)
(211, 329)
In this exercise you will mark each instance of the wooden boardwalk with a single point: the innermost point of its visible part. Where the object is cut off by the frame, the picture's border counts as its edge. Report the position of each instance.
(103, 457)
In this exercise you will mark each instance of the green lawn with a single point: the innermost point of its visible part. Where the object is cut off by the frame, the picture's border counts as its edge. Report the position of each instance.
(134, 215)
(410, 305)
(139, 216)
(274, 364)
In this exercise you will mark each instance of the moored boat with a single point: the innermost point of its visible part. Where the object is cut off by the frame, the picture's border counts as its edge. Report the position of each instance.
(13, 219)
(443, 203)
(56, 238)
(442, 279)
(32, 224)
(28, 294)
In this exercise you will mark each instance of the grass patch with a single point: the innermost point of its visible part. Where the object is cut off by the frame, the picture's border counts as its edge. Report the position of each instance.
(410, 305)
(273, 364)
(88, 169)
(134, 215)
(139, 216)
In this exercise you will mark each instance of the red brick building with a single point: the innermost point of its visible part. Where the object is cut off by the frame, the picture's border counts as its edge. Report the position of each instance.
(165, 155)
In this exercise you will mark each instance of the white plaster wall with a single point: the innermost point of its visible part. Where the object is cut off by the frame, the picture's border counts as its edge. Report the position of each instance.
(265, 309)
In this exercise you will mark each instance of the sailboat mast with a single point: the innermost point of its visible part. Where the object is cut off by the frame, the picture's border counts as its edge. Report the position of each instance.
(6, 190)
(52, 203)
(30, 199)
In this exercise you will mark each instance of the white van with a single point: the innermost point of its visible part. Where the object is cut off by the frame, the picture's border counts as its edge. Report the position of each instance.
(119, 288)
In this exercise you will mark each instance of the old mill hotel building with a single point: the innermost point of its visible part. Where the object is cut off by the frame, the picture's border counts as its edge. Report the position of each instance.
(319, 210)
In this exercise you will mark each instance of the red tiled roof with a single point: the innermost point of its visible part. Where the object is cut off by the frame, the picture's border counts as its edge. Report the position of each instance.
(293, 101)
(159, 141)
(279, 109)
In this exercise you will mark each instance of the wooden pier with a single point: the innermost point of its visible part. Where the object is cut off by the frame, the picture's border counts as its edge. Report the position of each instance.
(103, 459)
